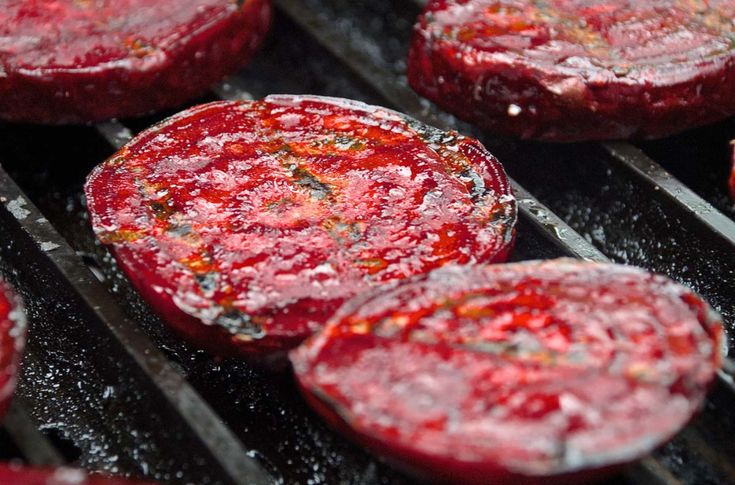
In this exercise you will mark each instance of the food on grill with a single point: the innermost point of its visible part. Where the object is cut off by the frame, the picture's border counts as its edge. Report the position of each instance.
(12, 341)
(570, 70)
(732, 174)
(16, 475)
(68, 61)
(247, 224)
(517, 371)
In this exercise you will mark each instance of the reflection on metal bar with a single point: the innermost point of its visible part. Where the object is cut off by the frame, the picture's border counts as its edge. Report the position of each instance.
(644, 168)
(114, 132)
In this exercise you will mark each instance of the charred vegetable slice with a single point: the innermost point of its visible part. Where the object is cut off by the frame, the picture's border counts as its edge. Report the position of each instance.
(570, 70)
(515, 372)
(70, 61)
(247, 224)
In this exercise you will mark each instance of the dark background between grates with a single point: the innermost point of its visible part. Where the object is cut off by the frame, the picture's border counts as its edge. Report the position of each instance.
(107, 387)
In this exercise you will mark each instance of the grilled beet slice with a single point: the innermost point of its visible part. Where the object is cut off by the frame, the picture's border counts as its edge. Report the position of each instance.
(12, 341)
(571, 70)
(516, 372)
(16, 475)
(68, 61)
(247, 224)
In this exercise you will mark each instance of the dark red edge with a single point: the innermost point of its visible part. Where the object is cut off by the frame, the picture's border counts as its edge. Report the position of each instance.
(11, 372)
(46, 475)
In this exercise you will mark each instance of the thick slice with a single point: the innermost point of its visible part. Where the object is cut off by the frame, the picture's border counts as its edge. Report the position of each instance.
(570, 70)
(247, 224)
(65, 61)
(17, 475)
(515, 372)
(12, 341)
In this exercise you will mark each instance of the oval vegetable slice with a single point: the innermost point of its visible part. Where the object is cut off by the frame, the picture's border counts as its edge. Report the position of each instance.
(17, 475)
(571, 70)
(514, 372)
(247, 224)
(69, 61)
(12, 342)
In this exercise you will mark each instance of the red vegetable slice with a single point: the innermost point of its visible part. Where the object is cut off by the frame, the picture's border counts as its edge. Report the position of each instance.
(68, 61)
(17, 475)
(247, 224)
(571, 70)
(515, 372)
(12, 341)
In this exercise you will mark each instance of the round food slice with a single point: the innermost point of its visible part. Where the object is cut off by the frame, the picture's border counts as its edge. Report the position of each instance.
(572, 70)
(69, 61)
(18, 475)
(535, 371)
(12, 342)
(246, 224)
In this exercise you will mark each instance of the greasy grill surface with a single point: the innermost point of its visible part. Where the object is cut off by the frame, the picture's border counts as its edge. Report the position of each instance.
(111, 397)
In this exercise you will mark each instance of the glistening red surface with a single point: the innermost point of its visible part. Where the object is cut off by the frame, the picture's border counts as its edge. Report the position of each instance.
(247, 224)
(529, 371)
(12, 341)
(568, 70)
(82, 60)
(16, 475)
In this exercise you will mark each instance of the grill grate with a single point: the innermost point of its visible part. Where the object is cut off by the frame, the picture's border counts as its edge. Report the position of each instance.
(114, 390)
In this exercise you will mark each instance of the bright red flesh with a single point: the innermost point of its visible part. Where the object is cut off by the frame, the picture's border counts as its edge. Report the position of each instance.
(571, 70)
(247, 224)
(515, 372)
(16, 475)
(66, 61)
(12, 341)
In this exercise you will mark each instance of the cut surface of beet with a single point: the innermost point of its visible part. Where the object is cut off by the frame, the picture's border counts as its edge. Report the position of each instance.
(246, 224)
(12, 342)
(572, 70)
(69, 61)
(514, 372)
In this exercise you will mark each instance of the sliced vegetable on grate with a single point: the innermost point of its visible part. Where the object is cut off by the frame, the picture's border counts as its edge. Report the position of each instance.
(71, 61)
(247, 224)
(571, 70)
(535, 371)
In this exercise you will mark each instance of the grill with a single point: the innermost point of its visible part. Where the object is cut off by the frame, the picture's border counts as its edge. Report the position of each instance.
(107, 387)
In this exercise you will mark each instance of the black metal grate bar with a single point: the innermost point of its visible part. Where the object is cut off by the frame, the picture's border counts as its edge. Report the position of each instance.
(36, 448)
(658, 179)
